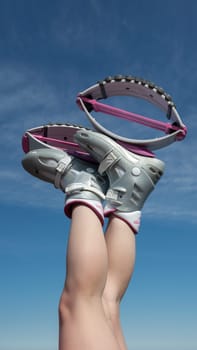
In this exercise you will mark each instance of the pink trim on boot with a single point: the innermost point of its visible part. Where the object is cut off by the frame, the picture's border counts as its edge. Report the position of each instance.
(94, 205)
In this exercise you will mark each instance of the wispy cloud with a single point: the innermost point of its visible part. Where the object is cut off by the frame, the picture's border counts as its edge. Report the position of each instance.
(26, 100)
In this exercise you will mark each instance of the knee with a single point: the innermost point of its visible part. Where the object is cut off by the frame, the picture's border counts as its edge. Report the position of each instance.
(65, 305)
(111, 308)
(72, 296)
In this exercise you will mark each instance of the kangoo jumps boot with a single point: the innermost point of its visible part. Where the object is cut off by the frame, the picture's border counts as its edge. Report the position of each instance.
(131, 177)
(77, 178)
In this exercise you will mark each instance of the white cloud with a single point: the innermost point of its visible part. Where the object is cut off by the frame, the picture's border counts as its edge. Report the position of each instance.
(22, 89)
(28, 100)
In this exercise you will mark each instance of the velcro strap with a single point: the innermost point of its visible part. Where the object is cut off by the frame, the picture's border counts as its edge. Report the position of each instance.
(107, 162)
(79, 187)
(60, 170)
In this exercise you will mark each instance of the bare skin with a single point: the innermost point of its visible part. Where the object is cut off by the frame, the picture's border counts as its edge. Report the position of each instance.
(99, 268)
(120, 242)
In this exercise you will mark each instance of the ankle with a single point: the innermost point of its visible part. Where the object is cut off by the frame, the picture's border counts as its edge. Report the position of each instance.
(87, 188)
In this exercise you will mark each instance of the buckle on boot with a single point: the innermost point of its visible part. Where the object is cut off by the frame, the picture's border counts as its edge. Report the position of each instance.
(60, 170)
(109, 160)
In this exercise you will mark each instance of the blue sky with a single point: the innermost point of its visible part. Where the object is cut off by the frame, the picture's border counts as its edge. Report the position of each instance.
(49, 51)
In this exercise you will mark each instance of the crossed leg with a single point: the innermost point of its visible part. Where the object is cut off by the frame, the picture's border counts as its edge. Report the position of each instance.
(98, 267)
(89, 305)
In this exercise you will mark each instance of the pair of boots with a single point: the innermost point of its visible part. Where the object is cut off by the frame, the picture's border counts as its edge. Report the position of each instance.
(121, 178)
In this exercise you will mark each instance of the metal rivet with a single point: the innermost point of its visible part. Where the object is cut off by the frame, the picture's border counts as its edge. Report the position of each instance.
(136, 171)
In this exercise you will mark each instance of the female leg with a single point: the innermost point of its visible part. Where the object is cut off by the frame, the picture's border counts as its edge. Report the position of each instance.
(131, 179)
(82, 321)
(120, 242)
